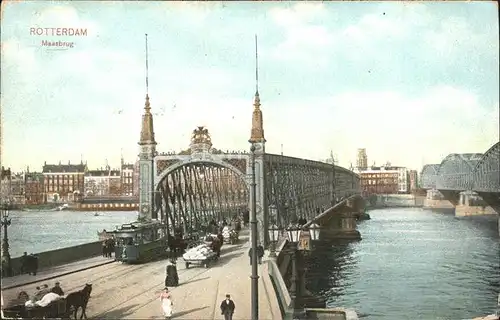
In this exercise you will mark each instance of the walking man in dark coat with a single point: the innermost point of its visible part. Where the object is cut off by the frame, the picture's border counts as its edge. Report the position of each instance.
(227, 308)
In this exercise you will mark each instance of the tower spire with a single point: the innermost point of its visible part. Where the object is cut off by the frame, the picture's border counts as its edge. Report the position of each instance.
(147, 133)
(257, 133)
(147, 71)
(256, 68)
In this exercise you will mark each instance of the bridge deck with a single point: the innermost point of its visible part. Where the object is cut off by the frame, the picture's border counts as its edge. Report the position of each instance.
(131, 291)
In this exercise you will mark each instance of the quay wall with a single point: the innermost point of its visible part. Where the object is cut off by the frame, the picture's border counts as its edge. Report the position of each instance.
(61, 256)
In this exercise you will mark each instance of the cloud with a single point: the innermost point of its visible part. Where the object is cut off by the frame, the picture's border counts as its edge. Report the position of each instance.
(304, 37)
(392, 126)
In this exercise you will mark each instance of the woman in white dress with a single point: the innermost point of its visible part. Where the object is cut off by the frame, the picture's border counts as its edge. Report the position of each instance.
(166, 303)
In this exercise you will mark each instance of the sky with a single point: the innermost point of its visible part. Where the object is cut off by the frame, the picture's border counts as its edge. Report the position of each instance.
(410, 82)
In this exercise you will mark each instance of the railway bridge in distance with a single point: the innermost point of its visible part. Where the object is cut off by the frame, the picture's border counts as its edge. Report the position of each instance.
(468, 184)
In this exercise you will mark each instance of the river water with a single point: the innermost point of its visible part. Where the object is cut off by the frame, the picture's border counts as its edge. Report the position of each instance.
(412, 264)
(38, 231)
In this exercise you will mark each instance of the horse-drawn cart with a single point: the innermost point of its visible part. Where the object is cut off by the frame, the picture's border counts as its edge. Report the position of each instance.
(51, 306)
(199, 254)
(205, 261)
(54, 310)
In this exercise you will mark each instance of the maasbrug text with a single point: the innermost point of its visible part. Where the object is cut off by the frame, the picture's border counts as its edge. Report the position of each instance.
(58, 31)
(57, 44)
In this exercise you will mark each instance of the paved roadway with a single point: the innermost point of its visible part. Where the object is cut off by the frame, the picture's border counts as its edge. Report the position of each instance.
(131, 291)
(55, 271)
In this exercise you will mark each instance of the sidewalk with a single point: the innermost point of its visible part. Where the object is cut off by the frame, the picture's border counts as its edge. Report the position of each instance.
(201, 295)
(53, 272)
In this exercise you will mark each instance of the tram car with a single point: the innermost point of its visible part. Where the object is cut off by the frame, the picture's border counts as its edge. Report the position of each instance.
(139, 242)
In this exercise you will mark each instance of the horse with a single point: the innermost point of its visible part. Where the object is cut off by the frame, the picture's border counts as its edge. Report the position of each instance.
(79, 299)
(176, 245)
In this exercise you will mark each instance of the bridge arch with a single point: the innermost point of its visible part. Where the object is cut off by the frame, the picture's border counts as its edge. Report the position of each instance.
(193, 191)
(203, 161)
(486, 173)
(455, 171)
(429, 175)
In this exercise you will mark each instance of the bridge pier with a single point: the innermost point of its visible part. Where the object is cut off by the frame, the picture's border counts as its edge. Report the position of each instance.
(436, 201)
(342, 227)
(471, 204)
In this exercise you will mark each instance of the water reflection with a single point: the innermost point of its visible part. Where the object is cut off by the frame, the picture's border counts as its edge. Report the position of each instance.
(412, 262)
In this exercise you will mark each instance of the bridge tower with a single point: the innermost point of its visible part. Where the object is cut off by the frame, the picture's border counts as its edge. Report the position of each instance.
(147, 153)
(258, 141)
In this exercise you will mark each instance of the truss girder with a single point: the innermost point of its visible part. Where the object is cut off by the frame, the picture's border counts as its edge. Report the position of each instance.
(486, 174)
(428, 176)
(297, 188)
(195, 193)
(456, 172)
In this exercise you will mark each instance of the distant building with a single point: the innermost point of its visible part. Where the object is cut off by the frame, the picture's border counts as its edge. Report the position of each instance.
(5, 185)
(17, 189)
(379, 180)
(361, 160)
(127, 179)
(63, 182)
(102, 183)
(414, 183)
(403, 180)
(33, 186)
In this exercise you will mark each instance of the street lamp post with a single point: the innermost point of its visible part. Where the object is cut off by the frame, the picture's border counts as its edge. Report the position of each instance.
(6, 266)
(301, 240)
(274, 233)
(253, 222)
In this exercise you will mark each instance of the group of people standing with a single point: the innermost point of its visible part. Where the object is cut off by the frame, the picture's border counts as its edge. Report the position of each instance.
(29, 264)
(108, 247)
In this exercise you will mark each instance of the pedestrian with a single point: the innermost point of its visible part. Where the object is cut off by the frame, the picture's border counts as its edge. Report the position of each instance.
(260, 253)
(57, 289)
(227, 307)
(166, 303)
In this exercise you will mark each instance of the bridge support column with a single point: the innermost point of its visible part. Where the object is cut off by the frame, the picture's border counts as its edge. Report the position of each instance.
(471, 204)
(257, 160)
(343, 227)
(435, 201)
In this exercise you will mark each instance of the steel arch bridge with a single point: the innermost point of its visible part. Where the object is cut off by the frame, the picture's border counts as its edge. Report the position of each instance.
(463, 172)
(203, 183)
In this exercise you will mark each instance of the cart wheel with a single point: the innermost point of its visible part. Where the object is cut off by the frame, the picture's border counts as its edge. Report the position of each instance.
(187, 265)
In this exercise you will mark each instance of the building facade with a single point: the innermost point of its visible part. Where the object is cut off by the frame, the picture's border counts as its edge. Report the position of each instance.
(63, 182)
(127, 179)
(5, 185)
(403, 180)
(361, 160)
(33, 186)
(414, 183)
(102, 183)
(379, 180)
(17, 188)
